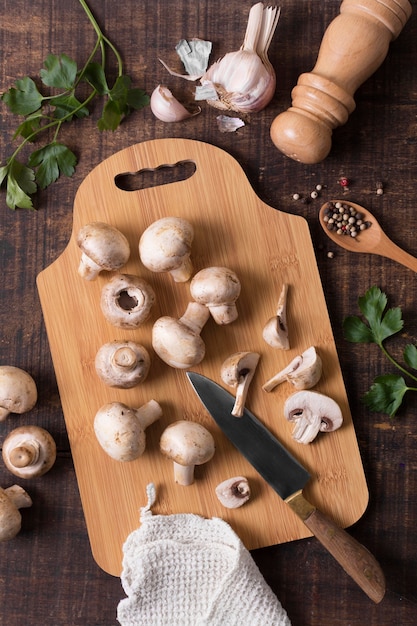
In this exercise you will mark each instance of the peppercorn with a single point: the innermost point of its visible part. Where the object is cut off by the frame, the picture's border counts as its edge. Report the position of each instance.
(344, 219)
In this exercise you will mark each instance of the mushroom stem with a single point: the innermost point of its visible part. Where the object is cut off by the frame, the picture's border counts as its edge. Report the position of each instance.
(303, 372)
(148, 413)
(237, 371)
(195, 317)
(26, 454)
(183, 474)
(275, 332)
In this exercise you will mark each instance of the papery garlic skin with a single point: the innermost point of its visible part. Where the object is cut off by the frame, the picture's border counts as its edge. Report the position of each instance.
(166, 107)
(245, 80)
(242, 81)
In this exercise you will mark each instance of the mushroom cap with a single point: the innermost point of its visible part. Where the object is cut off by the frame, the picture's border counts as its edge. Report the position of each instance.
(166, 244)
(119, 431)
(237, 366)
(215, 286)
(103, 244)
(176, 344)
(11, 500)
(10, 517)
(29, 451)
(122, 364)
(126, 301)
(312, 412)
(187, 443)
(18, 392)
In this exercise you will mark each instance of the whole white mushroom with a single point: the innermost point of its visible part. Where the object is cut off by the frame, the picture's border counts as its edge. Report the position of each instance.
(120, 429)
(18, 392)
(165, 246)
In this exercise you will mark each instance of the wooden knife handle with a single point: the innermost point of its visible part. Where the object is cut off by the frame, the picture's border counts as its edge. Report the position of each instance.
(355, 559)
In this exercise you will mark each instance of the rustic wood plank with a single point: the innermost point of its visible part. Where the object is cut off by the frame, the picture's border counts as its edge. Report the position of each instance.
(378, 143)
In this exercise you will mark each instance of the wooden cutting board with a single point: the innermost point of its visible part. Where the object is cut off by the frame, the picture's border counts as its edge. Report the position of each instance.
(266, 248)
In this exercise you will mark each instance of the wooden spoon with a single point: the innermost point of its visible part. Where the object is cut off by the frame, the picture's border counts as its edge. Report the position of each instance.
(373, 240)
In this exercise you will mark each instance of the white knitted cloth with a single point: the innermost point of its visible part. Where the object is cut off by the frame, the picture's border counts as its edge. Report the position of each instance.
(185, 570)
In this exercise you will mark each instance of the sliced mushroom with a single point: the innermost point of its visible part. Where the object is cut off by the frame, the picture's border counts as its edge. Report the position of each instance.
(122, 364)
(165, 246)
(303, 372)
(120, 429)
(178, 342)
(103, 247)
(11, 500)
(275, 331)
(187, 444)
(29, 451)
(127, 300)
(218, 288)
(312, 412)
(233, 492)
(18, 392)
(237, 371)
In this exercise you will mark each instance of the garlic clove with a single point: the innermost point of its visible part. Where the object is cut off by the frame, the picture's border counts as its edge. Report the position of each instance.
(167, 108)
(245, 80)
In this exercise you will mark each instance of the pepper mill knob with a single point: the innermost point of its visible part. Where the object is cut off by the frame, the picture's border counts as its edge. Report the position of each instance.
(354, 45)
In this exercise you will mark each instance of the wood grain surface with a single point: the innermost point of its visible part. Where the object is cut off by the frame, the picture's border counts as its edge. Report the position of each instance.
(266, 248)
(48, 574)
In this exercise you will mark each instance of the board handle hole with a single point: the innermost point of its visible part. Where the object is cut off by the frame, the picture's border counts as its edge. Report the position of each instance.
(155, 177)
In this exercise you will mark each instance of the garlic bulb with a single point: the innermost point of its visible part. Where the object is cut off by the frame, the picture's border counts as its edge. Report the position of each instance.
(245, 80)
(167, 108)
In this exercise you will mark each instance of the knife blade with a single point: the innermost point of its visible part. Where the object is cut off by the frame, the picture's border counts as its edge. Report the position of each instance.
(288, 478)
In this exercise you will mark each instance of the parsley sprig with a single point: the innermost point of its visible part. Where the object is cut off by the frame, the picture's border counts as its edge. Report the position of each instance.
(43, 112)
(387, 392)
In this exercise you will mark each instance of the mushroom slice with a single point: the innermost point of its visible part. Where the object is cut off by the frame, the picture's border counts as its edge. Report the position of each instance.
(233, 492)
(120, 429)
(275, 331)
(103, 247)
(217, 288)
(187, 444)
(11, 500)
(303, 372)
(312, 412)
(237, 371)
(18, 392)
(165, 246)
(178, 342)
(127, 300)
(29, 451)
(122, 364)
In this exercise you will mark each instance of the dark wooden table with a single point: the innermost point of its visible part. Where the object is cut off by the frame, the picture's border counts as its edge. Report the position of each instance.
(47, 574)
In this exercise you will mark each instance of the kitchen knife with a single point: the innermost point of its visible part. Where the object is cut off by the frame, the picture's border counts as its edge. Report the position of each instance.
(288, 478)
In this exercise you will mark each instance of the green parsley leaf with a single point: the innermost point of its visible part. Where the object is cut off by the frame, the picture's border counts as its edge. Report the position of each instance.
(381, 326)
(29, 126)
(67, 105)
(356, 331)
(20, 184)
(386, 394)
(95, 76)
(137, 98)
(110, 117)
(52, 160)
(410, 356)
(60, 71)
(24, 98)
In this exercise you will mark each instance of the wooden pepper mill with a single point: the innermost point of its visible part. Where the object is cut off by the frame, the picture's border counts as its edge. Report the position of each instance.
(354, 45)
